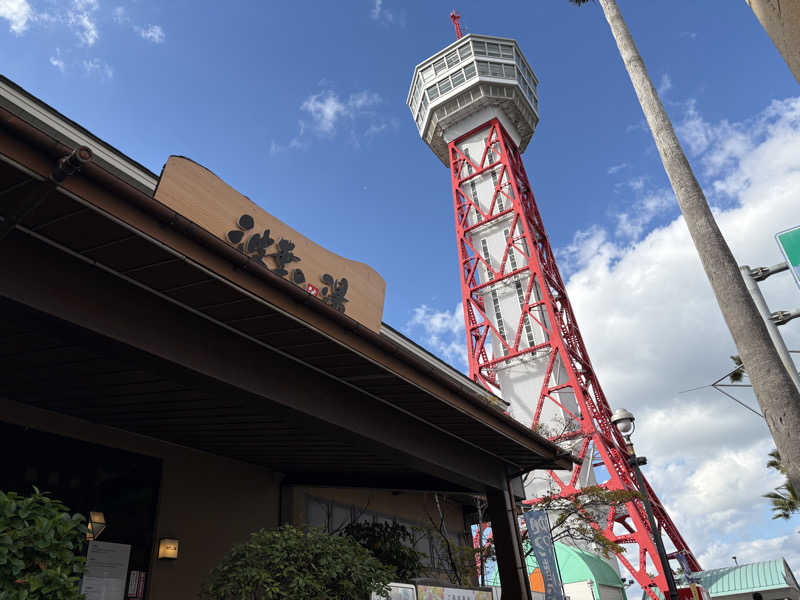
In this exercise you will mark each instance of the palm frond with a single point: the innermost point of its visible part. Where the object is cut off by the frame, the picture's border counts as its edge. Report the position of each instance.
(739, 373)
(775, 462)
(580, 2)
(783, 506)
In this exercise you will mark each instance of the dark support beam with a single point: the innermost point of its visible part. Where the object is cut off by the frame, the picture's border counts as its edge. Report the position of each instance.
(508, 545)
(37, 193)
(39, 190)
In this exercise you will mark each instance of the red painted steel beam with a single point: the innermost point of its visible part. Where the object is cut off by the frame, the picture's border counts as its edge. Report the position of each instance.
(545, 295)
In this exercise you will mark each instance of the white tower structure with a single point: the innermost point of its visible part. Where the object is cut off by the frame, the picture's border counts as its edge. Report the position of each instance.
(457, 95)
(476, 106)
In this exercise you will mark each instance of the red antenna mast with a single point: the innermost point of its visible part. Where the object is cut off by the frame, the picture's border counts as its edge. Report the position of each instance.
(455, 17)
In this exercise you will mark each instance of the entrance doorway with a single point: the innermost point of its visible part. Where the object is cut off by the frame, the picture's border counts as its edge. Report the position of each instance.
(87, 477)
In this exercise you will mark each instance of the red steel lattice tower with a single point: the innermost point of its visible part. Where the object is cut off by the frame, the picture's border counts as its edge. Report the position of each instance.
(475, 105)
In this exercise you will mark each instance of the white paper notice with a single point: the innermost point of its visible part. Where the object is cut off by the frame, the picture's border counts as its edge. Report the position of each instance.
(106, 570)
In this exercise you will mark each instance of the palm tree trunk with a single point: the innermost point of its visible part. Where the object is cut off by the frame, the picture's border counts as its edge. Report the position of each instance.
(777, 395)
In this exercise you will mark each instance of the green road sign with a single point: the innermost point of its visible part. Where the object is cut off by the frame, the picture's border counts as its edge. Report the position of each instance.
(789, 243)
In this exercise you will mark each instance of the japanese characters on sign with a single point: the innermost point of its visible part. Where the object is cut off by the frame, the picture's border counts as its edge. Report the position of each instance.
(542, 542)
(259, 245)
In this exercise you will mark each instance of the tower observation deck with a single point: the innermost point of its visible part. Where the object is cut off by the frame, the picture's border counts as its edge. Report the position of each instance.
(476, 106)
(473, 80)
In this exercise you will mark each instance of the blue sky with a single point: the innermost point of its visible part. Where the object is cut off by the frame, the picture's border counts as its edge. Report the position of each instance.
(301, 106)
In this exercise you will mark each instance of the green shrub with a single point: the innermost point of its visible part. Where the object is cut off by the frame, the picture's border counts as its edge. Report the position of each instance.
(41, 547)
(294, 564)
(392, 544)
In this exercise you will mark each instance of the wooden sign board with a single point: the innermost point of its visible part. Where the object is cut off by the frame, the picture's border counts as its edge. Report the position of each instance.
(350, 287)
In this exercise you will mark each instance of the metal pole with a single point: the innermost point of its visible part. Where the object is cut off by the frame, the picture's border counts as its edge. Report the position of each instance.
(772, 328)
(662, 553)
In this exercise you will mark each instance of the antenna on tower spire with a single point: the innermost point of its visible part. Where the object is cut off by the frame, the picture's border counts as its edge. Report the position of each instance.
(454, 17)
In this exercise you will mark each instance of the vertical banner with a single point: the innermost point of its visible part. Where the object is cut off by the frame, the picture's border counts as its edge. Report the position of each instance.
(542, 543)
(687, 572)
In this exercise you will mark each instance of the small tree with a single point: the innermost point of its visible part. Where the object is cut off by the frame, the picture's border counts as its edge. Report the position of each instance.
(392, 544)
(289, 563)
(459, 561)
(40, 548)
(573, 512)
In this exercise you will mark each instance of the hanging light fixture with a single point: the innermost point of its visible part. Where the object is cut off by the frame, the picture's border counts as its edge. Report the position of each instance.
(96, 525)
(168, 548)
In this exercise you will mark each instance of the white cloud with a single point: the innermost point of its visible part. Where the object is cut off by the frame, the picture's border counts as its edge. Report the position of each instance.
(325, 109)
(80, 18)
(328, 110)
(632, 223)
(694, 131)
(382, 15)
(665, 85)
(652, 326)
(57, 61)
(120, 14)
(616, 168)
(441, 331)
(295, 143)
(363, 99)
(641, 125)
(438, 322)
(18, 13)
(152, 33)
(721, 553)
(97, 67)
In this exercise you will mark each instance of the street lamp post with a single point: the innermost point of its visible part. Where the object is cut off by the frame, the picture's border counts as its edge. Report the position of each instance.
(623, 420)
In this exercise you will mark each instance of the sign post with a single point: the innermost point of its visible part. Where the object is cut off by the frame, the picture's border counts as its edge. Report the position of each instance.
(789, 243)
(542, 543)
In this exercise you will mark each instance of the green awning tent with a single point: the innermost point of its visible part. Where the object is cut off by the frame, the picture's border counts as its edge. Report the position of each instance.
(576, 565)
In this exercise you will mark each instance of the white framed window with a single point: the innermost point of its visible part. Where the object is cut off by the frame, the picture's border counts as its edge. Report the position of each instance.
(433, 92)
(440, 66)
(452, 59)
(479, 48)
(490, 157)
(506, 51)
(427, 74)
(465, 51)
(492, 49)
(498, 204)
(483, 67)
(445, 86)
(469, 163)
(457, 78)
(469, 71)
(520, 293)
(498, 317)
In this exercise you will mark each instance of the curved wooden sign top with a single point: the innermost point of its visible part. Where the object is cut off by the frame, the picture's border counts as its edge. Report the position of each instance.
(350, 287)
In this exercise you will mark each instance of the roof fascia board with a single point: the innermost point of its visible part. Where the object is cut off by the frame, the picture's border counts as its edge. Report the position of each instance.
(48, 120)
(442, 367)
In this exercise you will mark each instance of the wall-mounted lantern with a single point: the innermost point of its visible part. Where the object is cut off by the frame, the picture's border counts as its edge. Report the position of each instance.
(96, 525)
(168, 548)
